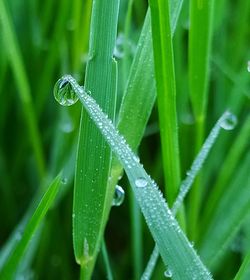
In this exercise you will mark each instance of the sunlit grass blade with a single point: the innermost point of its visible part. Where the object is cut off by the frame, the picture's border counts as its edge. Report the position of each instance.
(230, 212)
(92, 198)
(11, 263)
(187, 183)
(19, 71)
(173, 245)
(244, 271)
(200, 34)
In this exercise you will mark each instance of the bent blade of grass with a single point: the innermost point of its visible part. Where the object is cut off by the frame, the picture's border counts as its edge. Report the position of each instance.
(174, 247)
(91, 195)
(244, 271)
(187, 183)
(222, 228)
(11, 263)
(18, 68)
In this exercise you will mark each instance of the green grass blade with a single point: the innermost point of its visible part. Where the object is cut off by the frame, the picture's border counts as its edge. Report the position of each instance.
(200, 34)
(18, 68)
(201, 13)
(106, 261)
(244, 271)
(13, 260)
(187, 183)
(174, 247)
(223, 227)
(228, 167)
(91, 195)
(166, 95)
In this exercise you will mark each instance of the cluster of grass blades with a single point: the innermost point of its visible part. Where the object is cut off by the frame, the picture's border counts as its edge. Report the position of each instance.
(158, 88)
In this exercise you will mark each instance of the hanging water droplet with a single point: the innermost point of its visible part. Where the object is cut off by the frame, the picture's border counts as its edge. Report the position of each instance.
(248, 66)
(118, 196)
(229, 122)
(168, 273)
(64, 181)
(141, 182)
(64, 93)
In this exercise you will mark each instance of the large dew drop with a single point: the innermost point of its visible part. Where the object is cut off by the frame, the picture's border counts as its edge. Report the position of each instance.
(64, 93)
(229, 122)
(118, 196)
(141, 182)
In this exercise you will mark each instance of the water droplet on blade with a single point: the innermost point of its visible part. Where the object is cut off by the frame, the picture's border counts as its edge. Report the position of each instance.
(248, 66)
(64, 181)
(168, 273)
(141, 182)
(118, 196)
(64, 93)
(229, 122)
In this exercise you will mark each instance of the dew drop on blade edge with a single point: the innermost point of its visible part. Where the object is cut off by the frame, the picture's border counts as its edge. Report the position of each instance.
(141, 182)
(64, 93)
(229, 122)
(118, 196)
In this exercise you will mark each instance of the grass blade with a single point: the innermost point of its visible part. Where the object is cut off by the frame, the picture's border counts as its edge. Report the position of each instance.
(174, 247)
(166, 95)
(91, 195)
(229, 165)
(12, 262)
(244, 270)
(222, 228)
(187, 183)
(200, 34)
(16, 62)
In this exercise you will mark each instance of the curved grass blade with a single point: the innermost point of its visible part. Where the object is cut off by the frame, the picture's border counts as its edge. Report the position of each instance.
(174, 247)
(12, 262)
(187, 183)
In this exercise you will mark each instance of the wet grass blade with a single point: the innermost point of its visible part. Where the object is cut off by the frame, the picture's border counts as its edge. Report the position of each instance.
(91, 195)
(174, 247)
(12, 262)
(187, 183)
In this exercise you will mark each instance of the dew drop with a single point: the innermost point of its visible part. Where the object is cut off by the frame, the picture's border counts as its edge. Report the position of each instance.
(141, 182)
(229, 122)
(64, 93)
(168, 273)
(118, 196)
(64, 181)
(248, 66)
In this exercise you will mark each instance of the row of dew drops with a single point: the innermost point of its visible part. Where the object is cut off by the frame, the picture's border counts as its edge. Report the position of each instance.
(66, 95)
